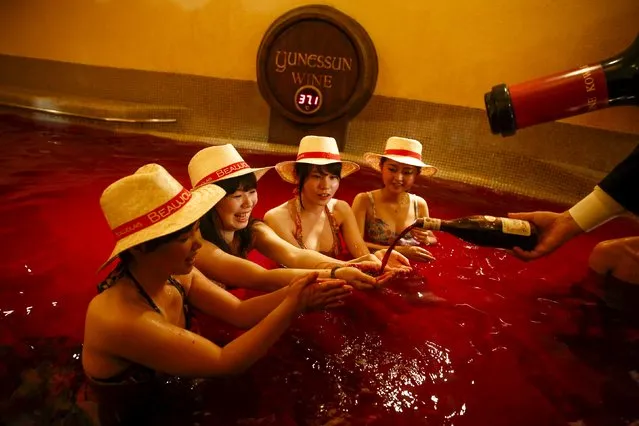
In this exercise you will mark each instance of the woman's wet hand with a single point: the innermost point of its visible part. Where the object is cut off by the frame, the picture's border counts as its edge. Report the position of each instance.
(416, 253)
(397, 262)
(324, 293)
(357, 277)
(298, 285)
(424, 236)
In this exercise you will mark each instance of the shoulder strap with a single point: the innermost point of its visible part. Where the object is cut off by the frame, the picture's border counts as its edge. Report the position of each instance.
(372, 200)
(185, 306)
(294, 208)
(111, 279)
(175, 283)
(143, 293)
(334, 229)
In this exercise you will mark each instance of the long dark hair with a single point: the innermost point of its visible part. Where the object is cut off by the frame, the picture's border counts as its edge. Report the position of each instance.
(303, 170)
(210, 223)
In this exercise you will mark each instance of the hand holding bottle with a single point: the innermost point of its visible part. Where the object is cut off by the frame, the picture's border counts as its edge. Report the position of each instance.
(553, 230)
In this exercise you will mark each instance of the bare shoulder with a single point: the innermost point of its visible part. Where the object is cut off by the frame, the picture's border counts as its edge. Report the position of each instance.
(339, 206)
(111, 311)
(420, 201)
(275, 213)
(361, 200)
(262, 230)
(341, 210)
(422, 205)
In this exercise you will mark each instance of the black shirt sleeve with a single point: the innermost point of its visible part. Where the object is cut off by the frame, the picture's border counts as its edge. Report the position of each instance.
(622, 183)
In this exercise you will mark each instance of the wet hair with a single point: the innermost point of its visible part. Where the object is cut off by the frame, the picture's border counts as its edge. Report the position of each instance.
(303, 171)
(382, 160)
(149, 246)
(210, 223)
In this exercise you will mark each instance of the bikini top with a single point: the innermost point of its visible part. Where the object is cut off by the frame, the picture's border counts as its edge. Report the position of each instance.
(295, 209)
(136, 373)
(379, 232)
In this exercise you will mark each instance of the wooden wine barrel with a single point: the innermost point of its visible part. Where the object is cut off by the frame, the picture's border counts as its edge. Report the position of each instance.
(315, 65)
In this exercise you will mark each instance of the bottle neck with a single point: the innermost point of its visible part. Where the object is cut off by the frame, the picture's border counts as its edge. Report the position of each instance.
(622, 76)
(613, 82)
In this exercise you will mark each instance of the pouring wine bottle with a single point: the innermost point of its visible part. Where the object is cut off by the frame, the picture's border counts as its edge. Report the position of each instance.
(612, 82)
(489, 231)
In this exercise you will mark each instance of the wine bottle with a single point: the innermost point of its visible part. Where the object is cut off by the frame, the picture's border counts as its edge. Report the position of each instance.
(612, 82)
(486, 231)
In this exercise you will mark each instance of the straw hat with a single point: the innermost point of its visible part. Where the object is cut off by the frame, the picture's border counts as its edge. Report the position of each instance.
(318, 150)
(402, 150)
(220, 162)
(149, 204)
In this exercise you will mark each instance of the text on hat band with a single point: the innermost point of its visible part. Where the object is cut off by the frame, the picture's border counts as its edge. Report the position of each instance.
(220, 173)
(318, 154)
(154, 216)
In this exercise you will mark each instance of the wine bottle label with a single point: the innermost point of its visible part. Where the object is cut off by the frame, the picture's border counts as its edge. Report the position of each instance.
(515, 226)
(432, 223)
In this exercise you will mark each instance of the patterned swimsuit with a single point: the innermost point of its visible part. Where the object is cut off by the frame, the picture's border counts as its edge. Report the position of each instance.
(379, 232)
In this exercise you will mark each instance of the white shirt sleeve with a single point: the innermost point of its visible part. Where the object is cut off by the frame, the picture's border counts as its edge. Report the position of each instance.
(595, 209)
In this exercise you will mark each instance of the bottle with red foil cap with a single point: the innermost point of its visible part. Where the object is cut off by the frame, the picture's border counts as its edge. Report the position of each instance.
(613, 82)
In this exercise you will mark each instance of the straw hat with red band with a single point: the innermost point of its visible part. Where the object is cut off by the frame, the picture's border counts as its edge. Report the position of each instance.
(149, 204)
(219, 162)
(402, 150)
(319, 150)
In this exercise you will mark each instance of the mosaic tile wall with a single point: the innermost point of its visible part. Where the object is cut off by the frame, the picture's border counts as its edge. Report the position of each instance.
(555, 161)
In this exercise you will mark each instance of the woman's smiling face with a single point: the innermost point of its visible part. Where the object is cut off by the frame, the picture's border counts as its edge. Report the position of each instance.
(234, 210)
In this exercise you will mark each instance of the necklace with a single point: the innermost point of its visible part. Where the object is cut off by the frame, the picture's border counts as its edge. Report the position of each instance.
(404, 199)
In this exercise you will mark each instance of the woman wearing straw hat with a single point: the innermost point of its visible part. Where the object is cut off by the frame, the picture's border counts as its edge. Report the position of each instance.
(314, 219)
(384, 213)
(230, 231)
(137, 326)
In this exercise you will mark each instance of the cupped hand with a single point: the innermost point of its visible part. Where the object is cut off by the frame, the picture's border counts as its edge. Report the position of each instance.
(321, 293)
(396, 260)
(373, 269)
(357, 277)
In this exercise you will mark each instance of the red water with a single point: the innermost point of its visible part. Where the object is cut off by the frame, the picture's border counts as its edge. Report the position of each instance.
(513, 343)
